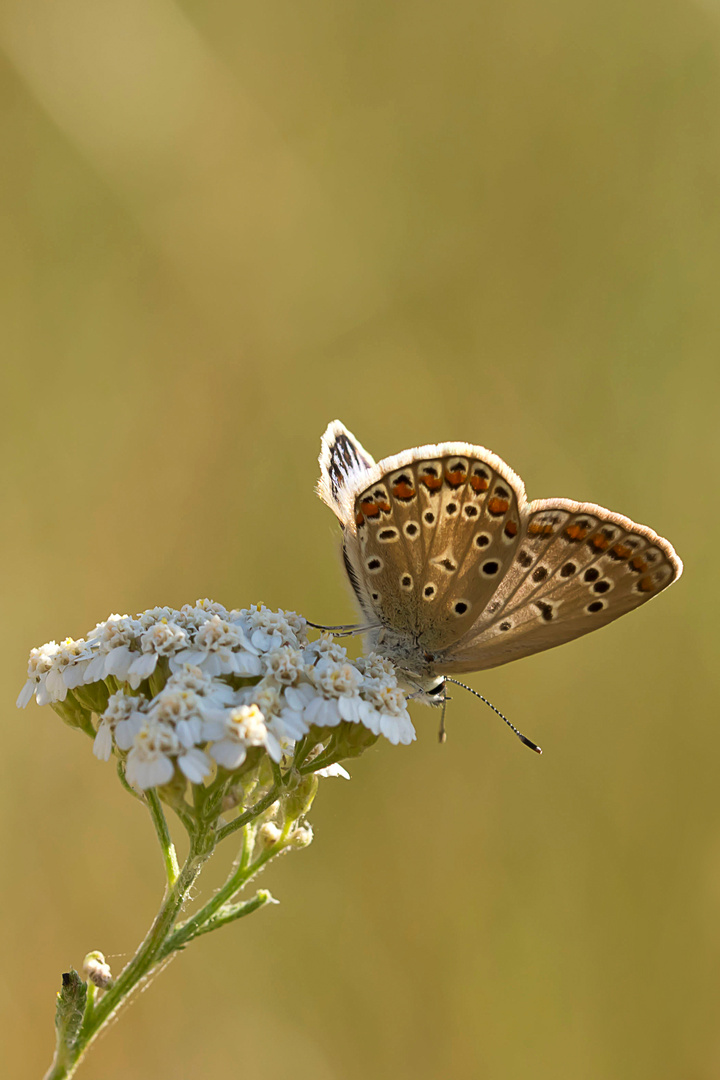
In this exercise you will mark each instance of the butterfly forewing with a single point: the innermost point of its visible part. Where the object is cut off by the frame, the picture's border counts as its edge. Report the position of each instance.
(342, 462)
(578, 567)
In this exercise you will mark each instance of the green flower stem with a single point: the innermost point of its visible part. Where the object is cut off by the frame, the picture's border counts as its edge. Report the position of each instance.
(254, 811)
(142, 964)
(232, 912)
(91, 1000)
(229, 913)
(243, 856)
(215, 908)
(160, 943)
(210, 799)
(123, 780)
(277, 773)
(163, 833)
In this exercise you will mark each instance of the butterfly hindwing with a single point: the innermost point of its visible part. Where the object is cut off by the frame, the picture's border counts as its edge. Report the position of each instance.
(434, 536)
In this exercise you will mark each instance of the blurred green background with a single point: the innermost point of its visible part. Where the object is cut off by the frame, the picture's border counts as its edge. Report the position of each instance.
(224, 224)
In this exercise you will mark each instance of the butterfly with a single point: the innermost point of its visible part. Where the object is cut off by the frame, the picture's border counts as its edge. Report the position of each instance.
(455, 571)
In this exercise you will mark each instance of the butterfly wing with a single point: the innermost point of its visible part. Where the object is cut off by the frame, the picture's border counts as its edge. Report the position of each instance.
(577, 567)
(433, 532)
(344, 467)
(461, 574)
(344, 464)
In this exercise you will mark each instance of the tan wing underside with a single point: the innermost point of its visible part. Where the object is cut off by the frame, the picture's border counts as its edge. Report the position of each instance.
(521, 589)
(433, 539)
(578, 567)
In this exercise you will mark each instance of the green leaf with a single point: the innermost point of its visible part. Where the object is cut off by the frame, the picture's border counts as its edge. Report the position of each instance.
(71, 1001)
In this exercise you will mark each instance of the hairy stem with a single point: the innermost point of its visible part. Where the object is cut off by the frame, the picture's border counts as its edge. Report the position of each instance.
(140, 967)
(163, 834)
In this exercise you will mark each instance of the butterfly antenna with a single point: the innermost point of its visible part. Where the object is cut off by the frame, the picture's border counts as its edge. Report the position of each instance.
(442, 733)
(490, 705)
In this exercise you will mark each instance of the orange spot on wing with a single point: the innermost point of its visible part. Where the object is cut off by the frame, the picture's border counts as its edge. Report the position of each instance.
(370, 509)
(359, 518)
(456, 477)
(479, 483)
(538, 529)
(576, 532)
(498, 506)
(432, 483)
(622, 551)
(402, 490)
(638, 564)
(511, 528)
(385, 507)
(599, 542)
(646, 584)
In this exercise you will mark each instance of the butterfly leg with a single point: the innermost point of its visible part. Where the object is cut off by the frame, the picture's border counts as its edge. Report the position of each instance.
(345, 629)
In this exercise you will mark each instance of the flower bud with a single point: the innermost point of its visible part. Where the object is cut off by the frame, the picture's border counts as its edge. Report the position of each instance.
(97, 971)
(301, 836)
(267, 835)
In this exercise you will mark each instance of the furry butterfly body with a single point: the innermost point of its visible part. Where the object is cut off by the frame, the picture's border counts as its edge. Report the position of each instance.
(455, 571)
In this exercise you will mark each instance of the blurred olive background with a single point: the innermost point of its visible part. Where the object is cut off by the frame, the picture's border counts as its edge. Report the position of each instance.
(224, 224)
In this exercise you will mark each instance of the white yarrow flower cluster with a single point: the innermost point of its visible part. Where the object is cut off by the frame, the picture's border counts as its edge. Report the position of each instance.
(183, 693)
